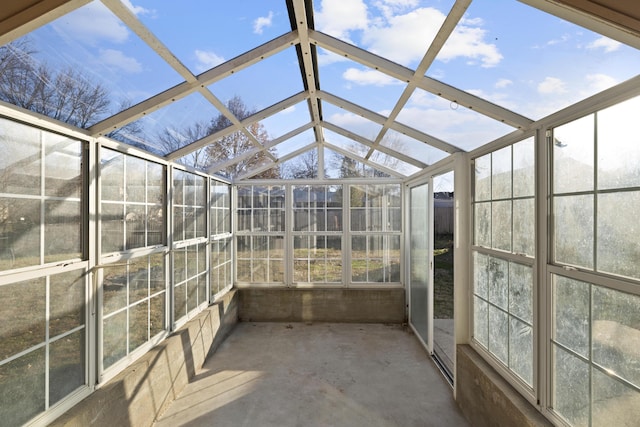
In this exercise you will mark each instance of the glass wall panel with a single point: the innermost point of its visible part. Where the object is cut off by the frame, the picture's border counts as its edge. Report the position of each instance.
(41, 178)
(419, 259)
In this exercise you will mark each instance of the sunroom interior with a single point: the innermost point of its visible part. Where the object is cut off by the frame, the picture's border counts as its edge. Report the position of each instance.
(467, 168)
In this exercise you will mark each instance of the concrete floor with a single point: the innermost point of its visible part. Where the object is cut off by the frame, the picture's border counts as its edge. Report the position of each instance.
(279, 374)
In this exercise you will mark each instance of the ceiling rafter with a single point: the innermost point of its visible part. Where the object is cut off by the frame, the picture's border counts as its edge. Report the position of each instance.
(404, 74)
(448, 26)
(364, 141)
(380, 119)
(186, 88)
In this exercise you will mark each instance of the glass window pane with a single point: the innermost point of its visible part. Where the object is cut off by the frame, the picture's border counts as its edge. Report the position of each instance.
(180, 301)
(573, 236)
(481, 321)
(157, 312)
(619, 146)
(112, 175)
(482, 224)
(66, 366)
(136, 179)
(501, 174)
(614, 404)
(571, 312)
(19, 232)
(25, 304)
(499, 334)
(616, 333)
(138, 325)
(138, 279)
(524, 168)
(112, 221)
(482, 178)
(62, 230)
(67, 301)
(521, 291)
(21, 158)
(618, 246)
(573, 149)
(63, 167)
(499, 282)
(114, 287)
(22, 387)
(114, 339)
(501, 225)
(524, 227)
(570, 394)
(480, 274)
(521, 349)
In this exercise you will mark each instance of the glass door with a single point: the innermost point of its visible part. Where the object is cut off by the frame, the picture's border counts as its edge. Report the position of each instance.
(419, 268)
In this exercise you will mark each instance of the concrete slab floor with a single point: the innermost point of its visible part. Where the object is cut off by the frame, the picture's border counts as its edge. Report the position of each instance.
(297, 374)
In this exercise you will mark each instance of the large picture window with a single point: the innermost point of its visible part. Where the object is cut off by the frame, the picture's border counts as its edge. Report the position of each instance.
(504, 249)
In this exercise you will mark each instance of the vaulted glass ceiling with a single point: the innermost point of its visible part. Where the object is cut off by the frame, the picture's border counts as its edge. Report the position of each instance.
(295, 88)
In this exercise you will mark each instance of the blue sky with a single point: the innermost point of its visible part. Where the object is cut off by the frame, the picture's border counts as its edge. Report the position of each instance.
(511, 54)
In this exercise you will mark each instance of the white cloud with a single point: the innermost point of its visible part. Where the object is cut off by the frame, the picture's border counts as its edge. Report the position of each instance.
(468, 42)
(605, 43)
(404, 38)
(599, 82)
(368, 77)
(503, 83)
(262, 22)
(207, 59)
(339, 17)
(91, 24)
(137, 10)
(551, 85)
(117, 59)
(563, 39)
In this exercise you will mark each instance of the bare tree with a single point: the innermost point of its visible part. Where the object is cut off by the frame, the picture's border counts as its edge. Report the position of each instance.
(65, 95)
(304, 166)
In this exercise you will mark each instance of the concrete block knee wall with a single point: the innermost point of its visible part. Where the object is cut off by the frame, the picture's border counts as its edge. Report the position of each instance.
(486, 399)
(385, 305)
(136, 396)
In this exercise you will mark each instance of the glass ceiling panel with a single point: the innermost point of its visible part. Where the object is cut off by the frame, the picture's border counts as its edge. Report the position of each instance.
(417, 149)
(264, 83)
(398, 30)
(450, 122)
(345, 167)
(217, 31)
(92, 66)
(172, 127)
(295, 143)
(358, 84)
(286, 120)
(345, 143)
(394, 164)
(304, 166)
(351, 122)
(529, 61)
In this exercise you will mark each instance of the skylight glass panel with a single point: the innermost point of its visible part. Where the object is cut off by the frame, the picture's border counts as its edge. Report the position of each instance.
(286, 120)
(345, 143)
(172, 127)
(394, 164)
(417, 149)
(350, 122)
(342, 166)
(398, 30)
(83, 67)
(264, 83)
(358, 84)
(304, 166)
(295, 143)
(528, 61)
(213, 32)
(450, 122)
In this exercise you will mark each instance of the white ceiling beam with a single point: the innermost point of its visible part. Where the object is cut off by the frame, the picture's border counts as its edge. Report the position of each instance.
(404, 74)
(186, 88)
